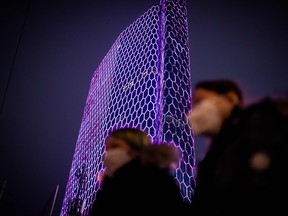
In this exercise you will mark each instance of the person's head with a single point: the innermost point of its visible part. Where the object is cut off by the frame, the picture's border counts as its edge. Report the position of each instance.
(213, 102)
(122, 145)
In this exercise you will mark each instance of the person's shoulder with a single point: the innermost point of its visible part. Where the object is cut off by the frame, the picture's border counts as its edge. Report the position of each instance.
(278, 103)
(271, 108)
(154, 174)
(266, 120)
(153, 169)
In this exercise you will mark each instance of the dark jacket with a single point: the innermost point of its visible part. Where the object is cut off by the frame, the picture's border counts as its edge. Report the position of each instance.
(244, 171)
(139, 188)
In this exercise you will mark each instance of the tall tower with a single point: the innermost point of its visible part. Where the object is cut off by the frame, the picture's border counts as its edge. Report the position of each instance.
(143, 82)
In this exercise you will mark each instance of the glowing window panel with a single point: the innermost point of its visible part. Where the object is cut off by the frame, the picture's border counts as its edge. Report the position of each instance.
(144, 82)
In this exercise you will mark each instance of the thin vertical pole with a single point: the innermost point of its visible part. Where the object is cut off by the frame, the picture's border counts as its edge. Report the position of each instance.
(54, 200)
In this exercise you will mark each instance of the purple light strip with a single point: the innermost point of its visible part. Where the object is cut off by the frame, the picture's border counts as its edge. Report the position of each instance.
(160, 73)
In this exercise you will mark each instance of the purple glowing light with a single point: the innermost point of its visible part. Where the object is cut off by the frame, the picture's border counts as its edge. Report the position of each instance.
(144, 82)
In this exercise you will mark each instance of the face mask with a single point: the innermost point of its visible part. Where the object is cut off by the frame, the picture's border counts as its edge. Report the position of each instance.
(114, 159)
(205, 118)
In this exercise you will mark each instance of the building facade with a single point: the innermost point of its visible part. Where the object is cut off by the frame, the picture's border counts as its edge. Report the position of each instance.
(144, 82)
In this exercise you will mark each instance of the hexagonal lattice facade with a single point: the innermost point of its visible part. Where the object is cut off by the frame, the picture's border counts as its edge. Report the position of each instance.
(143, 82)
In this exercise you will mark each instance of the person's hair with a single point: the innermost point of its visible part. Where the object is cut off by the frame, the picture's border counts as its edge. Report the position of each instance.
(221, 86)
(161, 154)
(135, 138)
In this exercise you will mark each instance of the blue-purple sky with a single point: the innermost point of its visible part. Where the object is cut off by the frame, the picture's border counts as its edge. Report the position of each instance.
(64, 41)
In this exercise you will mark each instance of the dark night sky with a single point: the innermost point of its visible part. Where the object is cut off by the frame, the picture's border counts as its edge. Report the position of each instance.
(64, 41)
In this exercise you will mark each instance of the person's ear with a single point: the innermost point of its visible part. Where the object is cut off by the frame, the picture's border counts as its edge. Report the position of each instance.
(233, 97)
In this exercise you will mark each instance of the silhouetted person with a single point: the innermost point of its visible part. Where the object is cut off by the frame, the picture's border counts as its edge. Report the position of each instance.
(244, 170)
(137, 176)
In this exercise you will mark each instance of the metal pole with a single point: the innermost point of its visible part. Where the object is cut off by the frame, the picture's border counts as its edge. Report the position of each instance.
(53, 201)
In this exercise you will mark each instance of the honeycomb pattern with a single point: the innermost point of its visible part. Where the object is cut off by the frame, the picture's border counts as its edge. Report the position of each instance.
(143, 82)
(176, 94)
